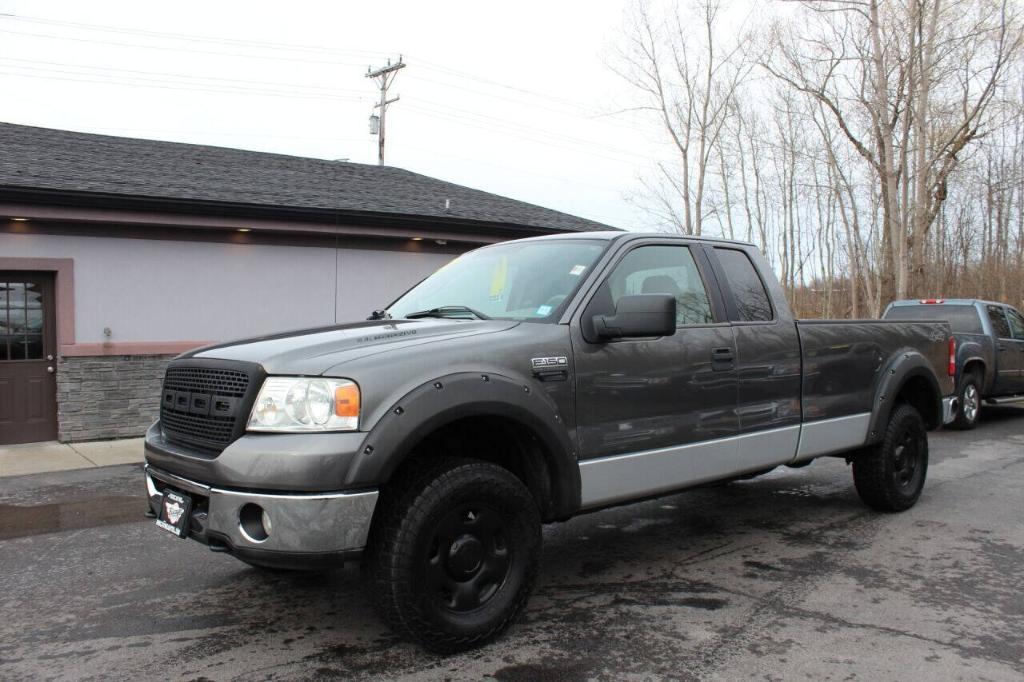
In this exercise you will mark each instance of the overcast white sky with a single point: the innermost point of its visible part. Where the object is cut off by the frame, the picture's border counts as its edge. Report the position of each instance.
(503, 97)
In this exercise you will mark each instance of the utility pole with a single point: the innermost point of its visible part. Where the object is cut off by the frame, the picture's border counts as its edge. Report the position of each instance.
(383, 76)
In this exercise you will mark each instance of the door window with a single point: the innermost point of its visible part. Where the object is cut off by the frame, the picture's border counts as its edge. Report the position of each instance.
(999, 323)
(1016, 323)
(21, 321)
(659, 270)
(752, 301)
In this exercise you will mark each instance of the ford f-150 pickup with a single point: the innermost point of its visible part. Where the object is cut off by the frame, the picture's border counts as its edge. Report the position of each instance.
(525, 383)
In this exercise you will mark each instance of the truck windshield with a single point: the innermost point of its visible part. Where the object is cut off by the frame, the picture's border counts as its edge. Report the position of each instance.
(511, 281)
(963, 319)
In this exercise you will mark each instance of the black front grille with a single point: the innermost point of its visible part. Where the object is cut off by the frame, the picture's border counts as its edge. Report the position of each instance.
(203, 406)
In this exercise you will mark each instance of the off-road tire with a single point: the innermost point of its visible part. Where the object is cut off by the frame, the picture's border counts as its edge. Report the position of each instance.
(890, 475)
(412, 560)
(968, 396)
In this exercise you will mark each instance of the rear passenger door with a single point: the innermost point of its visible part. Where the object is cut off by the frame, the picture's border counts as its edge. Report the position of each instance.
(1016, 322)
(1008, 355)
(767, 353)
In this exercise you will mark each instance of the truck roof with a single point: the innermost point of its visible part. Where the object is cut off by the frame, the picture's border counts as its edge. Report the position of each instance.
(944, 301)
(609, 236)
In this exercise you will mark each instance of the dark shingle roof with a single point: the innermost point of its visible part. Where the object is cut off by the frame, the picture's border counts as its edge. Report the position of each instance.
(59, 160)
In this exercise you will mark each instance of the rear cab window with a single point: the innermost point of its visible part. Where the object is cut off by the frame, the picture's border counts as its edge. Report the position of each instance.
(962, 318)
(751, 298)
(999, 324)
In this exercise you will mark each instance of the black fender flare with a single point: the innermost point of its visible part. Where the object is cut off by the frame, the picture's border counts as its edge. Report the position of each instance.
(451, 397)
(907, 364)
(987, 377)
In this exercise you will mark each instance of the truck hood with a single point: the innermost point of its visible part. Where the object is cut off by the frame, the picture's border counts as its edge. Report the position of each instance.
(311, 352)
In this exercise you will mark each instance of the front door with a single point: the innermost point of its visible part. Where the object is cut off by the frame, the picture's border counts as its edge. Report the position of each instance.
(28, 390)
(655, 414)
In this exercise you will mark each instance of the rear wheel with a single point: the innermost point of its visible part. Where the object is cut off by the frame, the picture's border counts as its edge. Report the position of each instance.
(891, 474)
(970, 403)
(455, 554)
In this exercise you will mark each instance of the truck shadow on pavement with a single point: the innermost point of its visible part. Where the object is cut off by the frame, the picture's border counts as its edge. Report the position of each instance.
(605, 575)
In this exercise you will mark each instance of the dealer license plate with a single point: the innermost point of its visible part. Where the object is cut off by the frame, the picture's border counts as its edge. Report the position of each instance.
(174, 513)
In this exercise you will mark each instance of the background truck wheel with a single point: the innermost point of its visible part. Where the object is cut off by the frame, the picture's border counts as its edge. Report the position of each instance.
(970, 403)
(890, 475)
(454, 554)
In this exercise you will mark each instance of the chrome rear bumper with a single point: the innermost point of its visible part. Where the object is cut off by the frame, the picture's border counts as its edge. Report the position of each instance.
(949, 407)
(315, 523)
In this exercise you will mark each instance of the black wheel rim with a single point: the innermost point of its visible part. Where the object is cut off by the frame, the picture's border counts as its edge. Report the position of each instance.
(907, 460)
(469, 558)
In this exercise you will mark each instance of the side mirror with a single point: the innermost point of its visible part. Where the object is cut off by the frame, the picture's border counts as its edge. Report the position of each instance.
(636, 316)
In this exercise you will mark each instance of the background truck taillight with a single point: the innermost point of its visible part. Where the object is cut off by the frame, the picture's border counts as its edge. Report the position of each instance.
(952, 357)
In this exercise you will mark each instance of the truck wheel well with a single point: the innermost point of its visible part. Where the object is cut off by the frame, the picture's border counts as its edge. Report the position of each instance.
(918, 392)
(499, 440)
(976, 367)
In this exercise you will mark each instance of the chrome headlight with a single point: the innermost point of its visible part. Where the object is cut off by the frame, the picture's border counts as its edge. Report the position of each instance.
(298, 404)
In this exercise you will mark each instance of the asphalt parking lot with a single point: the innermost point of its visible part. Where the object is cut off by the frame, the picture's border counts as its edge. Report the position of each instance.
(781, 577)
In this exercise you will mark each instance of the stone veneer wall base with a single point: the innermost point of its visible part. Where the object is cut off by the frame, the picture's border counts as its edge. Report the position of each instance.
(108, 396)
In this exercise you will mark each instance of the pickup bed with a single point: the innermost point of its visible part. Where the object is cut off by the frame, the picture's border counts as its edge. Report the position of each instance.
(989, 350)
(525, 383)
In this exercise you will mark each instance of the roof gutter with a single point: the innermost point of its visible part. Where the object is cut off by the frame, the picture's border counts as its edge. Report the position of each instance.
(86, 207)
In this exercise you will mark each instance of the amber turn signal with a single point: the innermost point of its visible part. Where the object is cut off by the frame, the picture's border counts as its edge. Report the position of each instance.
(346, 401)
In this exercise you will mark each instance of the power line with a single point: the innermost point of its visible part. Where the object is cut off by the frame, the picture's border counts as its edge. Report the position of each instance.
(189, 37)
(113, 70)
(169, 48)
(163, 85)
(580, 110)
(486, 122)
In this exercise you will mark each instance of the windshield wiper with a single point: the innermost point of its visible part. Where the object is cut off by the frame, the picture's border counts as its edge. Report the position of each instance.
(443, 311)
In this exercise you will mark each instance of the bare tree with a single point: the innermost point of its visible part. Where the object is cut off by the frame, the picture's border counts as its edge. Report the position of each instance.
(909, 84)
(688, 79)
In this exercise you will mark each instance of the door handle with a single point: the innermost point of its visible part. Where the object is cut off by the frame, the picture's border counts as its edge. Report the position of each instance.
(721, 359)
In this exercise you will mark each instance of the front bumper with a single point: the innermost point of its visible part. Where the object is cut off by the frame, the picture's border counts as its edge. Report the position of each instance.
(949, 408)
(308, 529)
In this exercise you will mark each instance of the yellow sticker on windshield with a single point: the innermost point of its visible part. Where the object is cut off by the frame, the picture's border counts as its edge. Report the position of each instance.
(499, 277)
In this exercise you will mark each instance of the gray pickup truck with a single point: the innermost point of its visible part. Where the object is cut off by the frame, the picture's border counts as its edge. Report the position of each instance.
(989, 350)
(525, 383)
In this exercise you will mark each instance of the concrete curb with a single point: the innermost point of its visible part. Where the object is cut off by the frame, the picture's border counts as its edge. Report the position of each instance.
(37, 458)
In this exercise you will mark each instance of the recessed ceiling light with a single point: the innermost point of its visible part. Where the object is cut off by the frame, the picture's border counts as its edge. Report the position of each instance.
(417, 239)
(244, 229)
(20, 220)
(441, 242)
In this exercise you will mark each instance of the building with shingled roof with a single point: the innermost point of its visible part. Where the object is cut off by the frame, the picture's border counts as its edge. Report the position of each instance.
(116, 254)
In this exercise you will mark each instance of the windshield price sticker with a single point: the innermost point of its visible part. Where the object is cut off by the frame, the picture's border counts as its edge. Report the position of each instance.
(577, 270)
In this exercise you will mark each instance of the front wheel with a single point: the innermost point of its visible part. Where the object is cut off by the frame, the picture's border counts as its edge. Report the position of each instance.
(455, 553)
(891, 474)
(970, 404)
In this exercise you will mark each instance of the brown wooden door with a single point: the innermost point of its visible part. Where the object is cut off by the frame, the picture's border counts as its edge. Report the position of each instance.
(28, 387)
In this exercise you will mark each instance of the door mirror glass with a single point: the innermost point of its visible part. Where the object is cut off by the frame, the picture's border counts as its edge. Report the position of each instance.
(638, 316)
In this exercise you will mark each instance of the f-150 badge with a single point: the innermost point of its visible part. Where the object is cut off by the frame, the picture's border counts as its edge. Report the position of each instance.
(539, 363)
